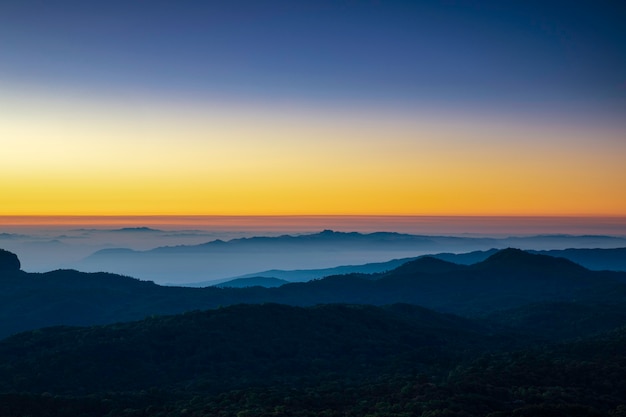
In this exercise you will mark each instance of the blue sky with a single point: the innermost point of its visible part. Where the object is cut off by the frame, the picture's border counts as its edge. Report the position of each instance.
(313, 107)
(568, 55)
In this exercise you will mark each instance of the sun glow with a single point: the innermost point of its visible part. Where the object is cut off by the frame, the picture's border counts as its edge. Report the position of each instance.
(80, 158)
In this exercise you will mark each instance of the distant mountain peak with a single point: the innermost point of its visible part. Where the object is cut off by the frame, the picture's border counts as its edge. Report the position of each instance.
(429, 265)
(142, 229)
(510, 254)
(267, 282)
(513, 258)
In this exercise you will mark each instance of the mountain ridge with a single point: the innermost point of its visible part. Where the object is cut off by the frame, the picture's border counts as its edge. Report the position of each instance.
(266, 282)
(222, 260)
(516, 258)
(539, 336)
(593, 259)
(77, 298)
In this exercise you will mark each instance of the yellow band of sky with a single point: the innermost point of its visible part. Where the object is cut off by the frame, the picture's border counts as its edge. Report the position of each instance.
(81, 157)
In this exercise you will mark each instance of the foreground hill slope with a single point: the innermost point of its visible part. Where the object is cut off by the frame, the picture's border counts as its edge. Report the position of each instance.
(330, 360)
(235, 346)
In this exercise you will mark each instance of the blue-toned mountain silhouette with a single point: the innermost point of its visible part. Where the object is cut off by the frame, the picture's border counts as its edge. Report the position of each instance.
(540, 336)
(507, 279)
(220, 260)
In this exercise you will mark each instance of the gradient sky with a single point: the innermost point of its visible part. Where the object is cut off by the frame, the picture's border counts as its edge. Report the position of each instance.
(312, 107)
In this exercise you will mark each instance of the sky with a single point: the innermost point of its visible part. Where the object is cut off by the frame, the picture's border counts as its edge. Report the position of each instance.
(312, 107)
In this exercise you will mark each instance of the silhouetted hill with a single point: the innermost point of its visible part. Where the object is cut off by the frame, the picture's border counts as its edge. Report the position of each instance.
(303, 275)
(353, 239)
(137, 230)
(219, 259)
(508, 279)
(613, 259)
(550, 342)
(267, 282)
(9, 261)
(596, 259)
(428, 265)
(516, 260)
(29, 301)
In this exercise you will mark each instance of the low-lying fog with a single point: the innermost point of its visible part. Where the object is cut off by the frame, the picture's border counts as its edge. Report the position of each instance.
(45, 247)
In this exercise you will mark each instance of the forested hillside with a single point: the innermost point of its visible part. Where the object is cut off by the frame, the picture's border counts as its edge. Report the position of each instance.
(534, 336)
(337, 360)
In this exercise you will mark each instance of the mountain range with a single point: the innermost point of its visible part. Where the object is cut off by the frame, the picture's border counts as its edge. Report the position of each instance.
(221, 260)
(594, 259)
(509, 278)
(531, 334)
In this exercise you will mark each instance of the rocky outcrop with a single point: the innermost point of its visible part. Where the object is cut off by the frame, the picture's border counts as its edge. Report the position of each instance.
(9, 261)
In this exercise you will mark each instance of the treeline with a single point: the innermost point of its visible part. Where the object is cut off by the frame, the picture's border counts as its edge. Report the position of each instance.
(340, 360)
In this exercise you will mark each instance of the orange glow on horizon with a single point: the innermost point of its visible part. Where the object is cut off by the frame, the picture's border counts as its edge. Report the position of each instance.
(262, 225)
(87, 159)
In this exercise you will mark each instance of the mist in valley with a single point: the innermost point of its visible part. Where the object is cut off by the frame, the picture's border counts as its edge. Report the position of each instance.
(212, 252)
